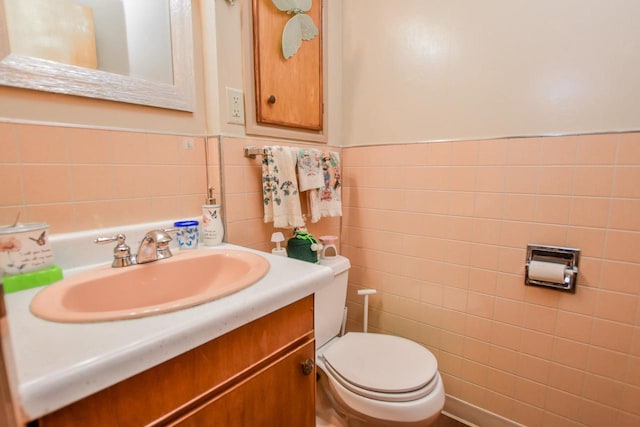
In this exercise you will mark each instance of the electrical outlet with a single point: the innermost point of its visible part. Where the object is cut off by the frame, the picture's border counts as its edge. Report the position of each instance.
(235, 106)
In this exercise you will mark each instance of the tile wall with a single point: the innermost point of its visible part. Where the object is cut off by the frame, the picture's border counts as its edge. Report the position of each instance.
(441, 230)
(77, 179)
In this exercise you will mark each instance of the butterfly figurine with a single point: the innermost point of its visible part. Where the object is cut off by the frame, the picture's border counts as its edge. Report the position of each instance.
(41, 240)
(298, 28)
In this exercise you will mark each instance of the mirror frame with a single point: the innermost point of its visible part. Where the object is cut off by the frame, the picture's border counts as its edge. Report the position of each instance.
(41, 74)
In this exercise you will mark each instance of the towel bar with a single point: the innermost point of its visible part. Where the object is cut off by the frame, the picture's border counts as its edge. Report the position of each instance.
(251, 151)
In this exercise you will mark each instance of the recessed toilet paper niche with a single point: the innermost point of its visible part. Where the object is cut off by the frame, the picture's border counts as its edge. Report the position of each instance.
(552, 267)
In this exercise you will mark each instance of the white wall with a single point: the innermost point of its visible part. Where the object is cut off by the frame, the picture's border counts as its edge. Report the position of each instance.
(422, 70)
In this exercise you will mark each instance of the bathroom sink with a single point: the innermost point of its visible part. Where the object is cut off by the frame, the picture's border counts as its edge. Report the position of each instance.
(186, 279)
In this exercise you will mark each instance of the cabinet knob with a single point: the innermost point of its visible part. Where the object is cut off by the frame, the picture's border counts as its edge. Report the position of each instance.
(307, 367)
(271, 100)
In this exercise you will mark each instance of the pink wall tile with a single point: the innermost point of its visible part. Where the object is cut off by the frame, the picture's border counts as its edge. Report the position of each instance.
(490, 179)
(590, 212)
(620, 246)
(533, 368)
(46, 183)
(593, 181)
(89, 145)
(8, 143)
(565, 378)
(92, 182)
(625, 214)
(553, 209)
(539, 345)
(626, 182)
(413, 155)
(165, 180)
(164, 149)
(574, 326)
(43, 144)
(596, 149)
(617, 306)
(628, 149)
(620, 276)
(570, 353)
(610, 364)
(522, 179)
(130, 148)
(556, 180)
(12, 189)
(438, 154)
(131, 181)
(523, 151)
(58, 216)
(464, 152)
(562, 403)
(612, 335)
(493, 152)
(78, 179)
(558, 150)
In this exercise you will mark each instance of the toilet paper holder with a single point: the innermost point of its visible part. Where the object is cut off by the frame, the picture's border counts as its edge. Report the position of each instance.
(552, 267)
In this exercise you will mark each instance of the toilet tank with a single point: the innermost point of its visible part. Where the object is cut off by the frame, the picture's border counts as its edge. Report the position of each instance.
(330, 301)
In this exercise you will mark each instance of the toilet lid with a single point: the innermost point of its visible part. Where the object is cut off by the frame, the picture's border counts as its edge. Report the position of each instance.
(382, 363)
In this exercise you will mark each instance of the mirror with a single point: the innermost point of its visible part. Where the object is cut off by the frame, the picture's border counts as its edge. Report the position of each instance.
(134, 51)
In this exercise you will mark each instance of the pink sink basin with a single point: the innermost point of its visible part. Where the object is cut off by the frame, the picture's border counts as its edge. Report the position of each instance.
(188, 278)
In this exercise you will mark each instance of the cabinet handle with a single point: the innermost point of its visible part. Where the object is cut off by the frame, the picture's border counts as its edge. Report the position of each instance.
(307, 367)
(271, 100)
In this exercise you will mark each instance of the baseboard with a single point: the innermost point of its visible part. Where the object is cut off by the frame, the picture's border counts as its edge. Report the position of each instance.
(473, 415)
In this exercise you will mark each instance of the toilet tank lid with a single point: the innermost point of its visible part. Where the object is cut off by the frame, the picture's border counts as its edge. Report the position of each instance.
(339, 264)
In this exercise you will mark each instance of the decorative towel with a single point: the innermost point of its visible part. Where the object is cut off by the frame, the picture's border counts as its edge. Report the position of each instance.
(310, 174)
(327, 201)
(280, 188)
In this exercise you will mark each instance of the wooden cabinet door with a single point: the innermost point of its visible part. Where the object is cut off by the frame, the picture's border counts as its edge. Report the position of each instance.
(191, 380)
(288, 91)
(282, 394)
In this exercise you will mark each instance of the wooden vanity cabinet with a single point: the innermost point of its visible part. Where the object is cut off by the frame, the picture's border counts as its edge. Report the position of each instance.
(261, 374)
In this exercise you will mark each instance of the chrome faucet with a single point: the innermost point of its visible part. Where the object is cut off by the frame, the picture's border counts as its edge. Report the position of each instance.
(153, 246)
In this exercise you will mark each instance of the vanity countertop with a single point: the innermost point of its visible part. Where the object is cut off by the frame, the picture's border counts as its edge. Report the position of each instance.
(59, 363)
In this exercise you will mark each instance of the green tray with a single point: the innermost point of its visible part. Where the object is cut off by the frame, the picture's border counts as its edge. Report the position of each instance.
(20, 282)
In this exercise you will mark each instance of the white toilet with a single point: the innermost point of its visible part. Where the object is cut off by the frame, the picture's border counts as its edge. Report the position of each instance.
(376, 379)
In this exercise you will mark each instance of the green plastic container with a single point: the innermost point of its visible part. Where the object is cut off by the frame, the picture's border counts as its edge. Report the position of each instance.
(300, 247)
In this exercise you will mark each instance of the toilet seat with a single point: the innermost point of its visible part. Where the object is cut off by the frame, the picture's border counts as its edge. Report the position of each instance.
(382, 367)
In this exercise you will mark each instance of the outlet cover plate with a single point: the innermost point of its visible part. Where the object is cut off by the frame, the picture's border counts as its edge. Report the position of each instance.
(235, 106)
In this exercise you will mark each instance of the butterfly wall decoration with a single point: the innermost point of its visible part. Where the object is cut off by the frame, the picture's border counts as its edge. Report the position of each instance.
(298, 28)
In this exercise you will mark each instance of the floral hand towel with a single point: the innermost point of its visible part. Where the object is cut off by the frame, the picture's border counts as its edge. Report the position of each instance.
(280, 188)
(310, 174)
(327, 201)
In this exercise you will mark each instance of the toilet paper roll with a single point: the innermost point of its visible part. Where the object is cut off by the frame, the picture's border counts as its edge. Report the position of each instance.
(547, 271)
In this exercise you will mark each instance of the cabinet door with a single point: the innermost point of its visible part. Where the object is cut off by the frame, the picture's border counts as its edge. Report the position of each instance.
(282, 394)
(288, 91)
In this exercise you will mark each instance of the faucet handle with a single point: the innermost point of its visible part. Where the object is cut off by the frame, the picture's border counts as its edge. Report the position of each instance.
(121, 253)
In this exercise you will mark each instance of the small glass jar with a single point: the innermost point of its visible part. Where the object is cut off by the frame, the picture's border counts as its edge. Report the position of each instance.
(187, 234)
